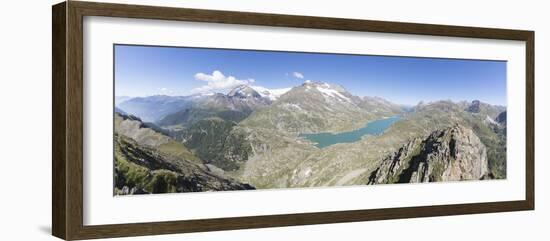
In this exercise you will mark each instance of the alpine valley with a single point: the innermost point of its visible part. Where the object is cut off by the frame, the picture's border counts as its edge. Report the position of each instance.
(315, 134)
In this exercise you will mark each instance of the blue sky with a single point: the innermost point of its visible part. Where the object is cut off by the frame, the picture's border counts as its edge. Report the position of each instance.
(149, 70)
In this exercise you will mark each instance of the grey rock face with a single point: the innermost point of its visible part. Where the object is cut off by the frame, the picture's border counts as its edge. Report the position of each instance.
(501, 118)
(453, 154)
(474, 107)
(482, 108)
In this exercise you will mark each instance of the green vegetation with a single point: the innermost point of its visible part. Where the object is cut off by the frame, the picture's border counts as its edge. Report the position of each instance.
(207, 138)
(138, 177)
(214, 141)
(495, 141)
(178, 150)
(130, 174)
(164, 181)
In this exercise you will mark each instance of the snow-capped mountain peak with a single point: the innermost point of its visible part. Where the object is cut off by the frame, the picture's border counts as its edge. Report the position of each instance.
(244, 91)
(271, 94)
(327, 90)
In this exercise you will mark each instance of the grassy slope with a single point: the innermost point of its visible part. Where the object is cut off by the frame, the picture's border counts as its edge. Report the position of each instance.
(148, 136)
(133, 175)
(149, 170)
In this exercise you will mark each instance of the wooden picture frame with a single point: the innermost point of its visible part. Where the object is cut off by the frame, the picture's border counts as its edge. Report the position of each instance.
(67, 124)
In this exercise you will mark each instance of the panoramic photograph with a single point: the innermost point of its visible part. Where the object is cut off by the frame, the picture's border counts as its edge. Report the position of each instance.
(202, 119)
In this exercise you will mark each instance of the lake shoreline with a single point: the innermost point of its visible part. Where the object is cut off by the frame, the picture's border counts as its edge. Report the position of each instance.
(374, 127)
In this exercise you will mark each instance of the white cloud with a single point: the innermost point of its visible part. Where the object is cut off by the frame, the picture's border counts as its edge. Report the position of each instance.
(218, 81)
(298, 75)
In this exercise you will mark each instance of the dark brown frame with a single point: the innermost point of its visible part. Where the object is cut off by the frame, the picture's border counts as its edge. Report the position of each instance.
(67, 121)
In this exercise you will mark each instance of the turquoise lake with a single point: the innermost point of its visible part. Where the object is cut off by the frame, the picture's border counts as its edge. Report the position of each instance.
(376, 127)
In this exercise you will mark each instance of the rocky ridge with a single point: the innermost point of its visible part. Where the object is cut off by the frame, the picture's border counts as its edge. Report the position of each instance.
(143, 170)
(453, 154)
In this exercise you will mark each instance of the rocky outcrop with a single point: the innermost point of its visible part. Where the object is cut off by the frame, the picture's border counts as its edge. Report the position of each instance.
(474, 107)
(141, 170)
(452, 154)
(482, 108)
(501, 118)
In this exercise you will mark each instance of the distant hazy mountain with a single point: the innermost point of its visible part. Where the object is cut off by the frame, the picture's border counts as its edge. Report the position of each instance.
(238, 104)
(120, 99)
(152, 108)
(381, 106)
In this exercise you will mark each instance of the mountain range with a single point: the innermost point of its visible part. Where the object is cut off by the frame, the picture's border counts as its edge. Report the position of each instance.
(250, 137)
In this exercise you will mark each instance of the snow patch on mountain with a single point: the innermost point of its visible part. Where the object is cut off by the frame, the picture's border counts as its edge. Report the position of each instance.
(201, 95)
(290, 106)
(327, 91)
(271, 94)
(491, 121)
(244, 92)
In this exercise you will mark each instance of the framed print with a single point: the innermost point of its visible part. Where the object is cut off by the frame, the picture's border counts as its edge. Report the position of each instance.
(171, 120)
